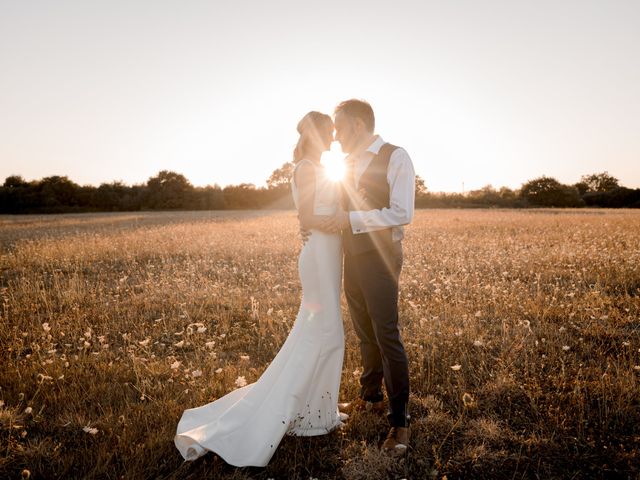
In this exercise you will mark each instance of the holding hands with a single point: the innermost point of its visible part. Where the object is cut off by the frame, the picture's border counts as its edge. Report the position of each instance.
(329, 224)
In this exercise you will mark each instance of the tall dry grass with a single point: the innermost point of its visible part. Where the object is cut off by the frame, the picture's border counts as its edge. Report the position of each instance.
(522, 329)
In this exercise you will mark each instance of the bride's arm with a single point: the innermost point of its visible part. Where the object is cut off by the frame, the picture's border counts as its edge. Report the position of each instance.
(305, 179)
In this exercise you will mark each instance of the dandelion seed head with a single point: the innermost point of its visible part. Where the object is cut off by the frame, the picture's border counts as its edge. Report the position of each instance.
(467, 400)
(241, 382)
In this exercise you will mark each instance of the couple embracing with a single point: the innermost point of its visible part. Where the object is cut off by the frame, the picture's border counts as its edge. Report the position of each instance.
(361, 221)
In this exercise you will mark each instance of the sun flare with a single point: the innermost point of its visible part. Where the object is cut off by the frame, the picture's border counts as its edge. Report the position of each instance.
(333, 161)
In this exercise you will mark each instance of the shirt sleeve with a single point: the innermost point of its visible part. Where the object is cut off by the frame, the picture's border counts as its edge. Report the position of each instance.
(401, 178)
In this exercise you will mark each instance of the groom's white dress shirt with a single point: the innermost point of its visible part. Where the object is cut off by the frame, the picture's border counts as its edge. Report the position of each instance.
(401, 178)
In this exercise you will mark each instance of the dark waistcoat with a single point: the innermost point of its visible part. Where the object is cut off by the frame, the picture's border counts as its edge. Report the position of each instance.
(377, 192)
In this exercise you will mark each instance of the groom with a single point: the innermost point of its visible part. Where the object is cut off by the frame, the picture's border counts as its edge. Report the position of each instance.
(378, 198)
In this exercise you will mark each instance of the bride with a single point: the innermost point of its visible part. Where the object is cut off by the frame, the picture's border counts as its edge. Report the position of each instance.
(298, 393)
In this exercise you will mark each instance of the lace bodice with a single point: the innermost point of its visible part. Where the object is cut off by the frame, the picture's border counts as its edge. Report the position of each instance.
(326, 195)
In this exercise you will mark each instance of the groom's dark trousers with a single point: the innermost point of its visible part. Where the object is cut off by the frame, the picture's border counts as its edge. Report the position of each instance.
(372, 265)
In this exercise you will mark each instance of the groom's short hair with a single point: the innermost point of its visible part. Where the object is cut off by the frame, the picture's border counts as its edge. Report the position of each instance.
(358, 109)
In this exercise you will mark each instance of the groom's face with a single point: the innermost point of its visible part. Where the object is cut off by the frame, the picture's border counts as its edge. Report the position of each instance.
(347, 132)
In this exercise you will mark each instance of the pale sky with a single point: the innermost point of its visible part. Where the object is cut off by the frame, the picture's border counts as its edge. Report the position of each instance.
(482, 92)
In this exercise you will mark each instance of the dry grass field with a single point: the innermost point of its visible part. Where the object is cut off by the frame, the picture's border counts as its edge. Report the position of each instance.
(522, 330)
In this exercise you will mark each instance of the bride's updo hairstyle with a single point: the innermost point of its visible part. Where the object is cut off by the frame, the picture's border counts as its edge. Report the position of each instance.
(313, 128)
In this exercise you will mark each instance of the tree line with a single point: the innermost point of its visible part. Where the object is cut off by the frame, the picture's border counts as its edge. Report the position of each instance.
(172, 191)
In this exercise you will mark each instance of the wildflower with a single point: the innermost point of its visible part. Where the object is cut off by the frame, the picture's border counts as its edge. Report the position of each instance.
(196, 373)
(241, 382)
(467, 400)
(90, 430)
(202, 329)
(566, 348)
(456, 367)
(41, 378)
(175, 365)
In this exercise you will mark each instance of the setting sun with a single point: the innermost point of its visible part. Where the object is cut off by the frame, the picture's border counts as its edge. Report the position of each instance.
(333, 161)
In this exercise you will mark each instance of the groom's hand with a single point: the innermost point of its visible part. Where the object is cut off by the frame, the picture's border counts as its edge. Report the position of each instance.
(341, 220)
(328, 224)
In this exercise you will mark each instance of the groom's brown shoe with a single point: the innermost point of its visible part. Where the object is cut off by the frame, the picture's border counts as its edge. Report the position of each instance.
(360, 405)
(397, 442)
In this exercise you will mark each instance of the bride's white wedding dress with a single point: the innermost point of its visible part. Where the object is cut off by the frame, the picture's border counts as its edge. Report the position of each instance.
(298, 393)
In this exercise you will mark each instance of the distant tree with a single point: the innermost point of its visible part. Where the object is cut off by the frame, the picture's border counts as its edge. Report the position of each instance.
(241, 196)
(281, 176)
(486, 196)
(582, 188)
(620, 197)
(599, 182)
(14, 181)
(168, 190)
(110, 196)
(58, 193)
(208, 198)
(549, 192)
(421, 187)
